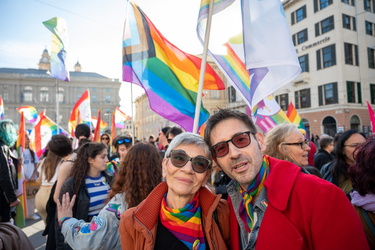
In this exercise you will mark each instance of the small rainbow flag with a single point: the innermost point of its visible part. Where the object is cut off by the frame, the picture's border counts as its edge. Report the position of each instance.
(42, 134)
(294, 117)
(1, 109)
(103, 124)
(120, 118)
(81, 112)
(30, 113)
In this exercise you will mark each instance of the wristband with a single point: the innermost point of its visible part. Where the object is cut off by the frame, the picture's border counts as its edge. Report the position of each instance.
(62, 220)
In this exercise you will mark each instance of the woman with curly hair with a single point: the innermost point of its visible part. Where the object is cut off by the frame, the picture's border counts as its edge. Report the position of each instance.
(362, 175)
(8, 170)
(132, 184)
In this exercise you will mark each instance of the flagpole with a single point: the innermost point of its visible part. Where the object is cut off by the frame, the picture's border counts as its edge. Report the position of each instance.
(131, 103)
(203, 67)
(57, 106)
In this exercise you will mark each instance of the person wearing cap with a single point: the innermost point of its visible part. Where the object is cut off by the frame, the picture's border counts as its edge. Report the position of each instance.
(122, 145)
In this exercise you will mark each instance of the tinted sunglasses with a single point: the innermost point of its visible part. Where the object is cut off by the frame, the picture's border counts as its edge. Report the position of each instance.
(239, 140)
(123, 141)
(169, 140)
(179, 158)
(105, 138)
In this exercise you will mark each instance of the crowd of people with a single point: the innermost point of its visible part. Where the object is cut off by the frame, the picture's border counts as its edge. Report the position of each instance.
(231, 189)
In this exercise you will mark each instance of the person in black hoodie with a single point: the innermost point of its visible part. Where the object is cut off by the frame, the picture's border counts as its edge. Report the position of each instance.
(324, 155)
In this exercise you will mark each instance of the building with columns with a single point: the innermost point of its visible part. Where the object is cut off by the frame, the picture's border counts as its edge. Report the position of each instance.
(35, 87)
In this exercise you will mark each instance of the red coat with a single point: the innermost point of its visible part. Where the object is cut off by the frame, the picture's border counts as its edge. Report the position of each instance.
(304, 212)
(312, 152)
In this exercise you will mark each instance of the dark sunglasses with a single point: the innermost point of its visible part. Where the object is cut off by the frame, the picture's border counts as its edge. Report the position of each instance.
(239, 140)
(179, 158)
(169, 140)
(125, 140)
(105, 138)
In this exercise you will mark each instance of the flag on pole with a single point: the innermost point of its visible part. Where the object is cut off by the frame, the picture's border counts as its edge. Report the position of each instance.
(97, 128)
(169, 76)
(294, 117)
(81, 112)
(42, 134)
(120, 118)
(30, 113)
(372, 116)
(1, 109)
(58, 27)
(263, 46)
(21, 209)
(103, 124)
(113, 131)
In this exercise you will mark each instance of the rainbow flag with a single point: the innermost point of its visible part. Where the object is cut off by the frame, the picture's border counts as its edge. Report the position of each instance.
(372, 116)
(120, 118)
(58, 27)
(42, 134)
(169, 76)
(1, 109)
(81, 112)
(294, 117)
(21, 209)
(103, 124)
(268, 114)
(113, 131)
(261, 46)
(97, 128)
(30, 113)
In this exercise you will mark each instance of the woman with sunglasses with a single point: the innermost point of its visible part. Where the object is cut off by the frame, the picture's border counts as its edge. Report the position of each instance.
(180, 213)
(286, 142)
(133, 183)
(105, 138)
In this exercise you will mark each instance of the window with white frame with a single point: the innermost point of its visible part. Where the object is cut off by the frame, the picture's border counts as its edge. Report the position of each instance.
(324, 26)
(302, 98)
(326, 57)
(349, 22)
(321, 4)
(351, 54)
(328, 94)
(353, 91)
(298, 15)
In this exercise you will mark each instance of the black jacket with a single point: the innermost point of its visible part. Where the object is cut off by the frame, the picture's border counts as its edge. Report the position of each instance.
(322, 157)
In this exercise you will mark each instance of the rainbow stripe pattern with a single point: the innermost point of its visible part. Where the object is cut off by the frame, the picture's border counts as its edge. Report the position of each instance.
(184, 223)
(1, 109)
(81, 112)
(169, 76)
(31, 115)
(42, 134)
(120, 118)
(294, 117)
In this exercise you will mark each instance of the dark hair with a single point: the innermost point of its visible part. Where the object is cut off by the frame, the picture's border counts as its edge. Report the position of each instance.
(165, 130)
(174, 131)
(362, 173)
(340, 168)
(83, 141)
(139, 174)
(60, 145)
(325, 141)
(225, 114)
(81, 165)
(107, 134)
(313, 170)
(82, 129)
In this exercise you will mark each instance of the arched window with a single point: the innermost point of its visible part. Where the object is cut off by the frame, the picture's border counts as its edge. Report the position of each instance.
(355, 123)
(329, 126)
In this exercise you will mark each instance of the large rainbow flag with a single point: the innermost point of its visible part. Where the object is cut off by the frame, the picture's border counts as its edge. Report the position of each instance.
(31, 115)
(169, 76)
(259, 57)
(81, 112)
(1, 109)
(42, 133)
(21, 209)
(58, 27)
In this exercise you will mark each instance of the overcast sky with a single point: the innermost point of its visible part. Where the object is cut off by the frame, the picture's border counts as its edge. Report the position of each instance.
(95, 29)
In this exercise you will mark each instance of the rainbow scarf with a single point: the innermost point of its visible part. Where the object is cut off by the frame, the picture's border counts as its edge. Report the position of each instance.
(184, 223)
(246, 209)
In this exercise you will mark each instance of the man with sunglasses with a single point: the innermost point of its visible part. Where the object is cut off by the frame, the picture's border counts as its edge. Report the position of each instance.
(273, 205)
